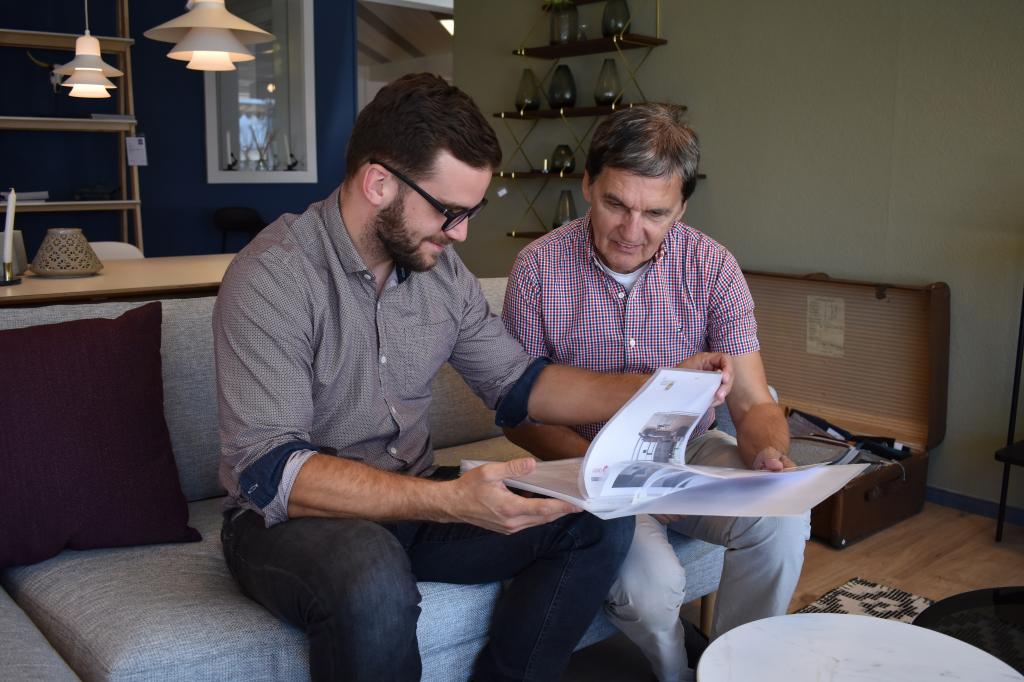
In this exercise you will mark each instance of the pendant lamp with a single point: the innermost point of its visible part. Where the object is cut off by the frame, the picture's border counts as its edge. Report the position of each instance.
(209, 37)
(87, 72)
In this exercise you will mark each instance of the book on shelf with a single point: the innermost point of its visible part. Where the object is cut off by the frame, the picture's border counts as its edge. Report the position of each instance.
(636, 463)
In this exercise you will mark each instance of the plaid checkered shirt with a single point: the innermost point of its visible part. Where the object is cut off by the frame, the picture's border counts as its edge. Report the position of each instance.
(692, 298)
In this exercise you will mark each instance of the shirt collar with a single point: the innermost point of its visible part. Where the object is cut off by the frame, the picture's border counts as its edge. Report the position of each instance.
(350, 259)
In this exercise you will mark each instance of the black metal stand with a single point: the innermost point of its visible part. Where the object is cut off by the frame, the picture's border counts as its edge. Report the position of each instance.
(1013, 453)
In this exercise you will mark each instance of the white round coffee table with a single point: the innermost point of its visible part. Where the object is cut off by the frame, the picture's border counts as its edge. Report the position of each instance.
(843, 648)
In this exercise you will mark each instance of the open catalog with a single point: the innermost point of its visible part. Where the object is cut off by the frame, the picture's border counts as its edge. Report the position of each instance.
(636, 464)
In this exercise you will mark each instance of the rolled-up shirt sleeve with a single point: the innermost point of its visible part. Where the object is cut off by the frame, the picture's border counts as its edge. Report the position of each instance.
(731, 325)
(262, 329)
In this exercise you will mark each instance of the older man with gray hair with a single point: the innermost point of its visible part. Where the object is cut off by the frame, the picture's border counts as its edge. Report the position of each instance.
(630, 288)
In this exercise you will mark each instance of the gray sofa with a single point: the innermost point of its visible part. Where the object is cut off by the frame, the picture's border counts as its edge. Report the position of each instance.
(164, 612)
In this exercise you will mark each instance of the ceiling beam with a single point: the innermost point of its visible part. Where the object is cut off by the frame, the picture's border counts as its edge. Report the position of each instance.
(384, 29)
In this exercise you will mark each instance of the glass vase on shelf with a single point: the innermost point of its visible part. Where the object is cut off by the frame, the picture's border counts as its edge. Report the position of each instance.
(608, 90)
(563, 160)
(528, 93)
(565, 210)
(615, 18)
(565, 20)
(562, 88)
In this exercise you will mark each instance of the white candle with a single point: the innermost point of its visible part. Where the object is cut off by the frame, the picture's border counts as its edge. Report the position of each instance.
(287, 150)
(227, 148)
(9, 228)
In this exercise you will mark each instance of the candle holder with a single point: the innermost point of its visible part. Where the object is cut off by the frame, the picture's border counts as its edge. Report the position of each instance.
(18, 263)
(65, 253)
(7, 277)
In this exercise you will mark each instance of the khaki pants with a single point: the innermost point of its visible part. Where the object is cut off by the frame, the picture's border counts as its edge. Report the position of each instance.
(763, 560)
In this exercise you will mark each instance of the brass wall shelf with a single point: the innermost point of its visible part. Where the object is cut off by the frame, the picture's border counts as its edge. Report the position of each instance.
(531, 190)
(521, 234)
(537, 175)
(565, 112)
(579, 48)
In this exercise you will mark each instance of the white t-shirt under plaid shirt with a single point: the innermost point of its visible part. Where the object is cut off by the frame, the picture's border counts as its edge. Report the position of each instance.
(692, 298)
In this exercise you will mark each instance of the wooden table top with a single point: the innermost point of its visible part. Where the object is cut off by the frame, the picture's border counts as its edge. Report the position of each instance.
(137, 277)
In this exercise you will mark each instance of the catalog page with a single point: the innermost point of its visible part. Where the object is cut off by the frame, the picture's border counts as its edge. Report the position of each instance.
(651, 429)
(636, 465)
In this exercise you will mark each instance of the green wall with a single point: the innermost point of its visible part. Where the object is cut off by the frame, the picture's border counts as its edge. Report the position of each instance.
(877, 139)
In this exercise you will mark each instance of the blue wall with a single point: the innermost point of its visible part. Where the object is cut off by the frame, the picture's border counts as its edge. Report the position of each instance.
(177, 201)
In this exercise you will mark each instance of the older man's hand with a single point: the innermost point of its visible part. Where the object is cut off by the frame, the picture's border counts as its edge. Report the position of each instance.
(713, 362)
(771, 459)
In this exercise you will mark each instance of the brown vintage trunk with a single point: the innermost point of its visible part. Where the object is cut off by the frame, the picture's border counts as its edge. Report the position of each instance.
(871, 358)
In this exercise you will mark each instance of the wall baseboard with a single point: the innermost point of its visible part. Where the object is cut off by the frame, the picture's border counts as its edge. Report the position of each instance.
(973, 505)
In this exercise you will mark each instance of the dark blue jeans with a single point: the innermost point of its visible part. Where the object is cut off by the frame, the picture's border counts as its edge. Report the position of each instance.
(350, 585)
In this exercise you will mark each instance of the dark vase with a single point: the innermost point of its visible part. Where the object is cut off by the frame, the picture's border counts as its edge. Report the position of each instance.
(564, 25)
(615, 19)
(565, 210)
(607, 91)
(528, 94)
(562, 89)
(563, 160)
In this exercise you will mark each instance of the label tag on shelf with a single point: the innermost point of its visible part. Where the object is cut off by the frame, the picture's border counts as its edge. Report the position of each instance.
(136, 150)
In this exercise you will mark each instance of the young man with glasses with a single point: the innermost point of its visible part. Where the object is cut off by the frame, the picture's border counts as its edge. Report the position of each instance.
(329, 328)
(630, 288)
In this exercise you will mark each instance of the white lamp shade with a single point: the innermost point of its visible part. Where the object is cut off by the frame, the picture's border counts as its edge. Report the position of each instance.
(210, 61)
(216, 47)
(87, 56)
(89, 91)
(86, 77)
(208, 14)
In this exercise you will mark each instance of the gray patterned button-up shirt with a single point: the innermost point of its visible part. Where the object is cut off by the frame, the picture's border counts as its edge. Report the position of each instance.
(309, 358)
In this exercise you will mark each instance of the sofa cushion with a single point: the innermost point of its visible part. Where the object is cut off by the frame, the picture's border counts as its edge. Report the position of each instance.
(85, 451)
(190, 396)
(25, 654)
(174, 612)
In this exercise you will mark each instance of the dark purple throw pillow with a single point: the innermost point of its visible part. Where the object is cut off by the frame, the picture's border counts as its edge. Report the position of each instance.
(85, 455)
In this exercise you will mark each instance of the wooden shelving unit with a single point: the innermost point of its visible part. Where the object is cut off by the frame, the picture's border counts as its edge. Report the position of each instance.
(43, 40)
(74, 206)
(129, 203)
(95, 125)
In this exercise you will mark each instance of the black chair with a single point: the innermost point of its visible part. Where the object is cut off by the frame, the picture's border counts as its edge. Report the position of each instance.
(1013, 453)
(237, 219)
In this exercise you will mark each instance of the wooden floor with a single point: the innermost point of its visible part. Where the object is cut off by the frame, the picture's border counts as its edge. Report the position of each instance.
(937, 553)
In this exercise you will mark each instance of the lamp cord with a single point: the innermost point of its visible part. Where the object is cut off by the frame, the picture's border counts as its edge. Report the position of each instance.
(86, 17)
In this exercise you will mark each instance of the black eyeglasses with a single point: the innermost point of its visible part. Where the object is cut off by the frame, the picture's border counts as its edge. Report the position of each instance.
(452, 218)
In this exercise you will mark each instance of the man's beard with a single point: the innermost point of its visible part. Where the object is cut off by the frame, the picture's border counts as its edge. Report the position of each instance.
(390, 228)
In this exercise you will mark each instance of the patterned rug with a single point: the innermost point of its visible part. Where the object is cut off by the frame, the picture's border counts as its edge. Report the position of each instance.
(863, 597)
